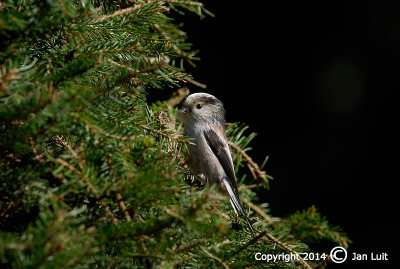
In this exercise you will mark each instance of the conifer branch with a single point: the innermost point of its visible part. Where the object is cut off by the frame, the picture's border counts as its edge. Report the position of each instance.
(122, 207)
(252, 186)
(75, 259)
(252, 241)
(182, 260)
(216, 258)
(219, 212)
(10, 75)
(88, 184)
(102, 51)
(276, 241)
(174, 46)
(176, 137)
(253, 165)
(196, 83)
(259, 211)
(190, 3)
(126, 11)
(285, 246)
(178, 96)
(147, 255)
(143, 71)
(188, 247)
(172, 213)
(324, 262)
(185, 78)
(96, 129)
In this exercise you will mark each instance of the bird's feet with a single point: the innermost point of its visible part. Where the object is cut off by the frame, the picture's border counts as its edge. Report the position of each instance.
(192, 179)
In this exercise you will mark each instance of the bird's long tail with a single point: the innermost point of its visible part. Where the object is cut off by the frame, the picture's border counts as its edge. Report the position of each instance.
(237, 206)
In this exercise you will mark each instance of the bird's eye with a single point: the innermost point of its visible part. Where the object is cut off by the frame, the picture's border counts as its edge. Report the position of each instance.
(199, 106)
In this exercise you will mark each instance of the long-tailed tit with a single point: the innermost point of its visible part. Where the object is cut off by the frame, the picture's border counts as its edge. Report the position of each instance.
(203, 117)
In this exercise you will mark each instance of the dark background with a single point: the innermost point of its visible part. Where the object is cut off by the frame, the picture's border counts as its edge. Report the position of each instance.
(316, 81)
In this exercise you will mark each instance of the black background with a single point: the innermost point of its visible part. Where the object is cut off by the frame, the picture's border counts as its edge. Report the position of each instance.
(316, 81)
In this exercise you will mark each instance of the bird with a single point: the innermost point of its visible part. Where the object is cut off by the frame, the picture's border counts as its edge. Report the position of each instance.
(210, 160)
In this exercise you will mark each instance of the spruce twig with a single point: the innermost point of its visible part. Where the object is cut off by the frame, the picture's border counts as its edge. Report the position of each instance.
(216, 258)
(285, 246)
(89, 185)
(196, 83)
(126, 11)
(184, 2)
(259, 211)
(260, 174)
(323, 263)
(122, 207)
(175, 47)
(251, 186)
(178, 96)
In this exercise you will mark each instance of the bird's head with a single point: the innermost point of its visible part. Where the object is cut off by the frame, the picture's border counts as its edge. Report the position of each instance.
(201, 107)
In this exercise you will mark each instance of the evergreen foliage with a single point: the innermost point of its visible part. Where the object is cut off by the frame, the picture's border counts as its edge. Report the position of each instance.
(91, 174)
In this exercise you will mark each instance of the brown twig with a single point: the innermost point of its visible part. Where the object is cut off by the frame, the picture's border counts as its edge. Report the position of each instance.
(123, 66)
(64, 9)
(89, 185)
(252, 186)
(189, 246)
(314, 227)
(257, 170)
(184, 78)
(123, 138)
(162, 133)
(76, 258)
(196, 83)
(251, 242)
(126, 10)
(115, 50)
(219, 213)
(276, 241)
(143, 71)
(190, 3)
(323, 263)
(172, 213)
(182, 260)
(217, 259)
(147, 255)
(73, 169)
(259, 211)
(122, 207)
(9, 76)
(284, 246)
(169, 39)
(178, 96)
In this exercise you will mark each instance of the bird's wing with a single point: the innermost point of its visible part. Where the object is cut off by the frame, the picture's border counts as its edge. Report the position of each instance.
(220, 148)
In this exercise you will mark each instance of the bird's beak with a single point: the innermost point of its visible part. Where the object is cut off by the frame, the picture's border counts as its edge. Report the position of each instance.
(183, 110)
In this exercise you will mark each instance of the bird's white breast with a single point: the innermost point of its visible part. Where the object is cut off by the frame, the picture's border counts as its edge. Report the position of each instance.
(202, 160)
